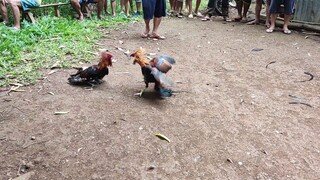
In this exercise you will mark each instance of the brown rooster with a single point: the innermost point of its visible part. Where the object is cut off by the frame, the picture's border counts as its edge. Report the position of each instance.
(93, 74)
(154, 71)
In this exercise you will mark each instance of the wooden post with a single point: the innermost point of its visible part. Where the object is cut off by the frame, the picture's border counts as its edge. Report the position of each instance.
(30, 15)
(56, 11)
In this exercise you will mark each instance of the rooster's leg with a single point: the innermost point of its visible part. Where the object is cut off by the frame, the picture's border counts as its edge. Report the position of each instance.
(91, 84)
(140, 93)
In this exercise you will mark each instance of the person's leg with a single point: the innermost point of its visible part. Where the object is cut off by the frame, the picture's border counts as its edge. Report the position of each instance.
(138, 6)
(147, 28)
(286, 23)
(258, 7)
(288, 6)
(131, 6)
(267, 13)
(178, 9)
(156, 24)
(126, 7)
(246, 6)
(113, 7)
(121, 6)
(4, 11)
(239, 4)
(190, 8)
(225, 10)
(100, 4)
(15, 4)
(196, 10)
(148, 7)
(273, 22)
(77, 7)
(160, 11)
(273, 10)
(210, 10)
(106, 7)
(171, 2)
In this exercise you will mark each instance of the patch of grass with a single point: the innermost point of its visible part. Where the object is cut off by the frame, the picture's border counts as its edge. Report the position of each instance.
(63, 41)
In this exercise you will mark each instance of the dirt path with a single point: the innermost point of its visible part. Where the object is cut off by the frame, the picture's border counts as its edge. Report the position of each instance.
(232, 119)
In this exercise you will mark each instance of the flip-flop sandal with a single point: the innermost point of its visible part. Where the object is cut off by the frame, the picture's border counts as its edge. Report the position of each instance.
(244, 20)
(157, 37)
(206, 18)
(253, 22)
(287, 31)
(179, 16)
(143, 35)
(269, 30)
(227, 19)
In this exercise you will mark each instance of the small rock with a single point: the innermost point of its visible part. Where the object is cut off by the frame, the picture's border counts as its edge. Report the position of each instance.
(29, 165)
(33, 138)
(240, 163)
(151, 168)
(229, 160)
(264, 152)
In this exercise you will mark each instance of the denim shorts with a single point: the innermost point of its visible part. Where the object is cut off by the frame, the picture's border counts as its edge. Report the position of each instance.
(288, 6)
(27, 4)
(88, 1)
(153, 8)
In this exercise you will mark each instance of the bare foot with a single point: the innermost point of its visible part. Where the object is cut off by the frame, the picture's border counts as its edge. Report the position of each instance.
(100, 17)
(80, 18)
(145, 34)
(267, 25)
(156, 36)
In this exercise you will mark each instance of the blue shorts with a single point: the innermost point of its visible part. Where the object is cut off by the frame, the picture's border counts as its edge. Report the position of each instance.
(288, 6)
(88, 1)
(28, 4)
(153, 8)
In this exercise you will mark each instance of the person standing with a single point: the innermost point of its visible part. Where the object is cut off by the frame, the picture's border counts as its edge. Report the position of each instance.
(243, 7)
(258, 8)
(153, 9)
(196, 10)
(275, 10)
(138, 6)
(211, 8)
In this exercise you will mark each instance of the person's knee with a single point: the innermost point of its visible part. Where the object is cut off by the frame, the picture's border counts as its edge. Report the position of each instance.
(258, 2)
(13, 2)
(74, 2)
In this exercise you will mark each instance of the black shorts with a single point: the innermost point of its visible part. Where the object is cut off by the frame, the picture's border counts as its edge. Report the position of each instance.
(153, 8)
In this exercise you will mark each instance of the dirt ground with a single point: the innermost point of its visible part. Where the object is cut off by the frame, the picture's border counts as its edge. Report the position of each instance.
(231, 120)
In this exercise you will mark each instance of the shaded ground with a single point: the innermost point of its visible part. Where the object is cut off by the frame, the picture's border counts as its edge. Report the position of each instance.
(232, 119)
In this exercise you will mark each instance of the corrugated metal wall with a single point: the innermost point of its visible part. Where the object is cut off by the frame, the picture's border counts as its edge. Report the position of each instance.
(307, 10)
